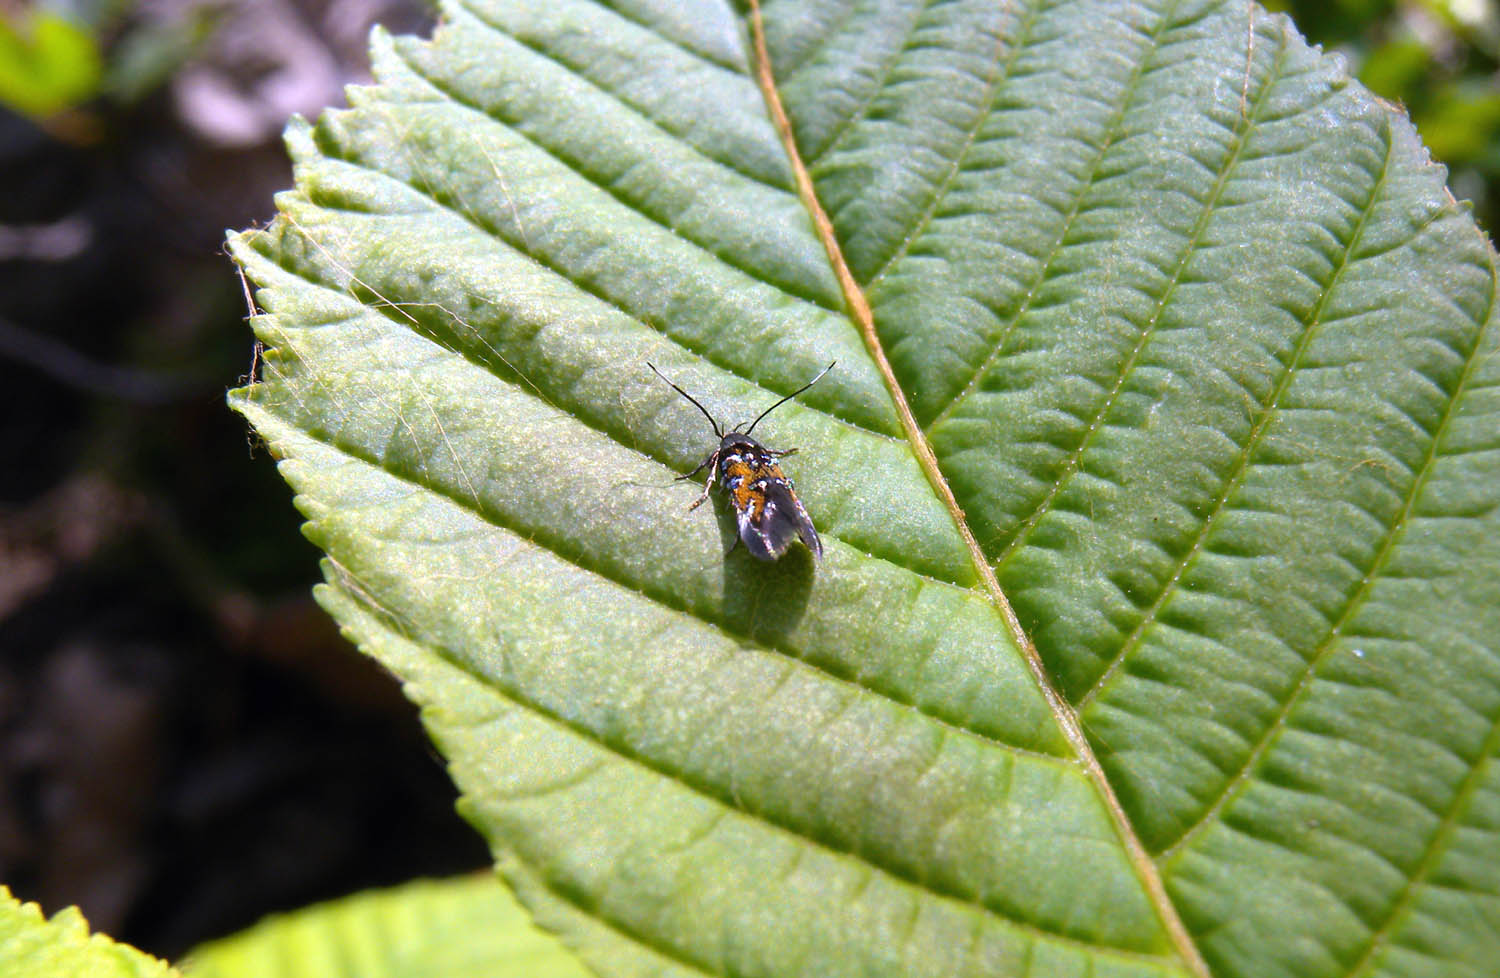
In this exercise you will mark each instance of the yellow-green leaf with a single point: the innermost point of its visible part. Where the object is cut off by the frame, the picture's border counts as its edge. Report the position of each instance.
(461, 928)
(35, 946)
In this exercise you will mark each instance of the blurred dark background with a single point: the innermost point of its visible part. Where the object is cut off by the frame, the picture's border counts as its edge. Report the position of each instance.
(185, 742)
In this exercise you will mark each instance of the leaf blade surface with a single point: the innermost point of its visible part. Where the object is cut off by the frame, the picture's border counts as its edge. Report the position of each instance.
(1198, 342)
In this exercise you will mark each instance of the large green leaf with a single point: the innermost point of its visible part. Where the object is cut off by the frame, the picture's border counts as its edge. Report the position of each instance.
(1159, 627)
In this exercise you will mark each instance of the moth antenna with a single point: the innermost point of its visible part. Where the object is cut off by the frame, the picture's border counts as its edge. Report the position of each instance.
(784, 399)
(694, 402)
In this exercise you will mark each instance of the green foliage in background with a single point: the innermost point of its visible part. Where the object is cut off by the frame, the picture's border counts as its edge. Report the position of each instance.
(1203, 349)
(461, 928)
(48, 62)
(1440, 59)
(56, 60)
(34, 946)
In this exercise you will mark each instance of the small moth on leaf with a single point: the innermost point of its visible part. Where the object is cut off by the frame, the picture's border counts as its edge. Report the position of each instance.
(766, 506)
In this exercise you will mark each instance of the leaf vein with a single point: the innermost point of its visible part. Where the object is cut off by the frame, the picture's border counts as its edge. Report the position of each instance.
(640, 111)
(993, 88)
(539, 537)
(846, 14)
(1436, 845)
(1111, 132)
(1356, 600)
(1240, 466)
(831, 142)
(543, 263)
(703, 56)
(611, 922)
(577, 168)
(1074, 459)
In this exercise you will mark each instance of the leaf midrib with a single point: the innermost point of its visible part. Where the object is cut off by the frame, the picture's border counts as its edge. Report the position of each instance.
(863, 320)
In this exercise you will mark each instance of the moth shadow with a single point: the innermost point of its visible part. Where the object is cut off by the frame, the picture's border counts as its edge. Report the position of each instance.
(763, 600)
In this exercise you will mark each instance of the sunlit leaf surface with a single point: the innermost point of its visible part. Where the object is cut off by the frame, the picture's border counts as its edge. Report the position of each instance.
(1190, 364)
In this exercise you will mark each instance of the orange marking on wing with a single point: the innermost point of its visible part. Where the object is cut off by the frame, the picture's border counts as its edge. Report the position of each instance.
(748, 497)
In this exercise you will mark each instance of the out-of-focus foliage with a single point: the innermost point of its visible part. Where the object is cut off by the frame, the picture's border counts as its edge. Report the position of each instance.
(147, 57)
(57, 58)
(467, 927)
(1438, 58)
(47, 62)
(33, 946)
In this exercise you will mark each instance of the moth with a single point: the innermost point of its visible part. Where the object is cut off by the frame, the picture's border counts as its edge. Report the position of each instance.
(766, 507)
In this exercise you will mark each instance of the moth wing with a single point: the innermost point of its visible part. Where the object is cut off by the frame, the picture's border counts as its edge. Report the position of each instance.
(782, 520)
(753, 536)
(805, 528)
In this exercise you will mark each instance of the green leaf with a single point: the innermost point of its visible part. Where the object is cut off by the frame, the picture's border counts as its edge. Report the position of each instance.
(1159, 625)
(461, 928)
(47, 62)
(33, 946)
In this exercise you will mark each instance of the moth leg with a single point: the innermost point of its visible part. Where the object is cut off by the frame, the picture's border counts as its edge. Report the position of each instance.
(782, 454)
(712, 458)
(706, 487)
